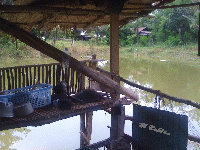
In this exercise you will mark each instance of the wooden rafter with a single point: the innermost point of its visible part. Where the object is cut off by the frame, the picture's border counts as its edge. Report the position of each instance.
(39, 9)
(125, 21)
(70, 11)
(94, 21)
(46, 20)
(163, 7)
(60, 10)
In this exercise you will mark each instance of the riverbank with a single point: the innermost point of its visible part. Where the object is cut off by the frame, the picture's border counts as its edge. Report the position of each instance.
(81, 49)
(183, 54)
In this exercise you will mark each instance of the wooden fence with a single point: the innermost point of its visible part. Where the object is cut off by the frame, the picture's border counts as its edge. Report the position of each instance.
(21, 76)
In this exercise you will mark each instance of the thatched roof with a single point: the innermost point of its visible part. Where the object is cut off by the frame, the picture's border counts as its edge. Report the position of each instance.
(70, 13)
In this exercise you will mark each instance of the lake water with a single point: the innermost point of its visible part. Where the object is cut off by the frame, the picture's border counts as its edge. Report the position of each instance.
(176, 79)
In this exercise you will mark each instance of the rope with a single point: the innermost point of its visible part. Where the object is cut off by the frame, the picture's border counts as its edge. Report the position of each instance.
(157, 92)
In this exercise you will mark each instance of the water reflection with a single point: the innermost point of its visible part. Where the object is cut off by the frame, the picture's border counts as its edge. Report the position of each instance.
(63, 134)
(171, 78)
(9, 137)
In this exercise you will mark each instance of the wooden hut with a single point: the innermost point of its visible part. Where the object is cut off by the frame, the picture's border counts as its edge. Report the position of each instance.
(18, 17)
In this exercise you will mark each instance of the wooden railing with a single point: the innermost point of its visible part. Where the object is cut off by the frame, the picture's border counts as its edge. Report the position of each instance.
(21, 76)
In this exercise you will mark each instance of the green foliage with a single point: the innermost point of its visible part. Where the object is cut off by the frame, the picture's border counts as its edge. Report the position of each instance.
(131, 39)
(173, 41)
(125, 35)
(143, 41)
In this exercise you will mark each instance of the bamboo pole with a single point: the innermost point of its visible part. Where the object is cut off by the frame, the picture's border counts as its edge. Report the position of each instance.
(56, 54)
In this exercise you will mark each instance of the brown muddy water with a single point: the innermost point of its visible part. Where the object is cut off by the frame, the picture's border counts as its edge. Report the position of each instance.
(176, 79)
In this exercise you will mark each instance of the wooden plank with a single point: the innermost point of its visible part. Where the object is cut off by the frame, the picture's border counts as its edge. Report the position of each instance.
(49, 72)
(66, 73)
(34, 75)
(27, 77)
(58, 71)
(8, 77)
(24, 78)
(72, 80)
(38, 73)
(56, 54)
(67, 81)
(47, 75)
(4, 85)
(82, 82)
(76, 82)
(42, 74)
(79, 82)
(63, 74)
(30, 75)
(29, 66)
(19, 77)
(16, 79)
(54, 75)
(12, 78)
(43, 9)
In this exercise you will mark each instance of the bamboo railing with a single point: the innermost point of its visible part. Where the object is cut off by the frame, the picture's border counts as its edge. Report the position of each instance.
(21, 76)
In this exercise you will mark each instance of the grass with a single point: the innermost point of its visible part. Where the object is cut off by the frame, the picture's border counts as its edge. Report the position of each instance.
(186, 54)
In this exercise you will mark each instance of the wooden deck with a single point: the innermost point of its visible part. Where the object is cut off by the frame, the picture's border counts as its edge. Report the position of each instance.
(51, 113)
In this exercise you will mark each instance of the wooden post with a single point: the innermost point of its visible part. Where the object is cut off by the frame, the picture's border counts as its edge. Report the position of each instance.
(92, 65)
(199, 34)
(114, 44)
(117, 117)
(89, 126)
(82, 129)
(117, 125)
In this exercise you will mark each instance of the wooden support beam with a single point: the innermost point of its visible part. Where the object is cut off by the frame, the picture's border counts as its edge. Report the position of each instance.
(114, 45)
(150, 7)
(84, 138)
(82, 129)
(94, 21)
(46, 20)
(117, 124)
(89, 126)
(97, 145)
(58, 55)
(43, 9)
(129, 118)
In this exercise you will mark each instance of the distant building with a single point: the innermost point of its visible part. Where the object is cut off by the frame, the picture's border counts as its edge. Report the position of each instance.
(83, 36)
(144, 31)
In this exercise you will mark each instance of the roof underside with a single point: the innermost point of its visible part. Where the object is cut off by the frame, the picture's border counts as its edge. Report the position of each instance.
(47, 14)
